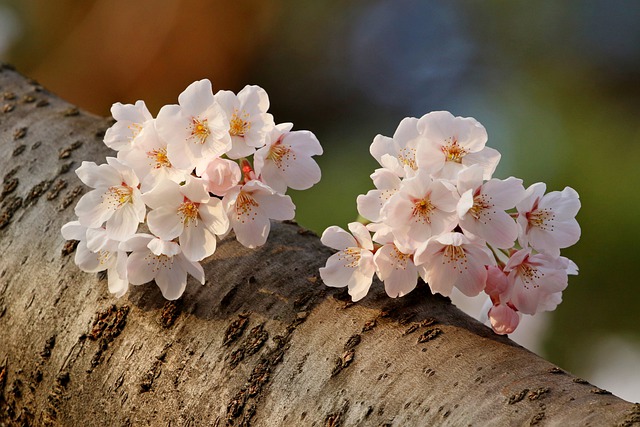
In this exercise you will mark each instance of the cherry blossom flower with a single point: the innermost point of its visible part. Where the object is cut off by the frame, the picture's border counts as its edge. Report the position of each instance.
(535, 278)
(188, 213)
(286, 159)
(547, 222)
(452, 259)
(249, 122)
(130, 120)
(195, 129)
(148, 158)
(249, 208)
(387, 184)
(396, 269)
(482, 207)
(162, 261)
(398, 154)
(221, 175)
(96, 252)
(353, 265)
(115, 199)
(453, 143)
(421, 208)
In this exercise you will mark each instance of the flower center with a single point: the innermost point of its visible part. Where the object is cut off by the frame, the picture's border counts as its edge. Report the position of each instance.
(350, 256)
(541, 218)
(199, 130)
(104, 256)
(117, 196)
(245, 205)
(422, 209)
(452, 151)
(456, 256)
(189, 211)
(238, 126)
(530, 276)
(278, 151)
(399, 259)
(135, 129)
(159, 157)
(407, 156)
(480, 206)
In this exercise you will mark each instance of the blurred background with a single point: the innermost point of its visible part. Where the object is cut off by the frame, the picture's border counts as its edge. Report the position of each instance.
(556, 84)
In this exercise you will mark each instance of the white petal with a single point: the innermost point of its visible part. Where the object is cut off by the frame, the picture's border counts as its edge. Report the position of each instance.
(197, 97)
(165, 222)
(197, 242)
(74, 231)
(98, 176)
(91, 211)
(140, 267)
(123, 223)
(361, 234)
(488, 158)
(172, 280)
(337, 238)
(214, 216)
(251, 231)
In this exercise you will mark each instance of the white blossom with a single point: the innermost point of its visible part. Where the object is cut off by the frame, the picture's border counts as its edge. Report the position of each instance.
(352, 266)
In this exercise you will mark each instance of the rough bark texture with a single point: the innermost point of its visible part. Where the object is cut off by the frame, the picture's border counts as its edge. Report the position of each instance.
(262, 343)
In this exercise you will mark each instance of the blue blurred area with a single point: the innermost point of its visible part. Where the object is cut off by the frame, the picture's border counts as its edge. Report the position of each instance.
(554, 83)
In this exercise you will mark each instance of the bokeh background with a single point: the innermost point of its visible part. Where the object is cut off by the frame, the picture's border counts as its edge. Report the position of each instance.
(556, 84)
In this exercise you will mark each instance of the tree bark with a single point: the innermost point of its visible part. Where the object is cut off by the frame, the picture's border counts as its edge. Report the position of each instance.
(262, 343)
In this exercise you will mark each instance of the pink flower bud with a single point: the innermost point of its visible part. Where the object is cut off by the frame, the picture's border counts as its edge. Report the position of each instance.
(504, 319)
(221, 175)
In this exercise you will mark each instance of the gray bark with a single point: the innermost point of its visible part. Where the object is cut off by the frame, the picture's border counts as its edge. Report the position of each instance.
(262, 343)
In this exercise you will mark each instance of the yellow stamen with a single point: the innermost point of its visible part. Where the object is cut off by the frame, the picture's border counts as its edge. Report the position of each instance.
(199, 130)
(238, 126)
(455, 255)
(189, 211)
(117, 196)
(422, 209)
(245, 207)
(278, 152)
(159, 157)
(452, 151)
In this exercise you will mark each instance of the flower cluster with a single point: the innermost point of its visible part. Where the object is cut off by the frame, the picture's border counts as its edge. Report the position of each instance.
(437, 213)
(186, 176)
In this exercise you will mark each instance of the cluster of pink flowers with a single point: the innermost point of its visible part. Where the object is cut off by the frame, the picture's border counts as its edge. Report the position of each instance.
(186, 177)
(438, 214)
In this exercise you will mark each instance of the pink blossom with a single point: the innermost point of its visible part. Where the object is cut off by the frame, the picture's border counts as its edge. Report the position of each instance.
(115, 199)
(534, 278)
(421, 208)
(162, 261)
(453, 143)
(250, 208)
(387, 184)
(398, 154)
(249, 122)
(186, 212)
(352, 266)
(130, 121)
(482, 207)
(452, 259)
(396, 269)
(195, 129)
(547, 222)
(286, 160)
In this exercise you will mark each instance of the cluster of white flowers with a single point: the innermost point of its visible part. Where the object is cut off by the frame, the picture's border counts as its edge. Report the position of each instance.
(438, 214)
(185, 175)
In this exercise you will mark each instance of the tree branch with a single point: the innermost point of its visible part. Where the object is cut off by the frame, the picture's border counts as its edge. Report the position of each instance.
(262, 343)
